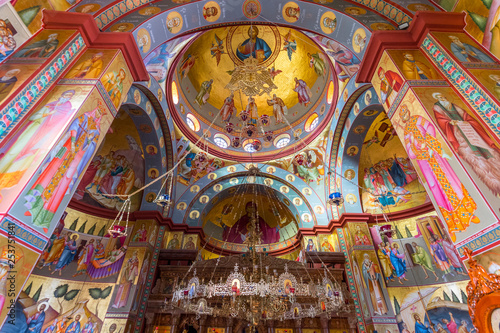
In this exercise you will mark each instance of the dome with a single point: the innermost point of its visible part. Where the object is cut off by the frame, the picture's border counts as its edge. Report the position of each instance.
(254, 90)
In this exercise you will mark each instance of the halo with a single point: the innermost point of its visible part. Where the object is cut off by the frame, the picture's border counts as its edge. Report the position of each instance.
(46, 303)
(74, 234)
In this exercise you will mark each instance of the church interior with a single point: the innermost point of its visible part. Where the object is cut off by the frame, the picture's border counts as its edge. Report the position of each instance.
(249, 166)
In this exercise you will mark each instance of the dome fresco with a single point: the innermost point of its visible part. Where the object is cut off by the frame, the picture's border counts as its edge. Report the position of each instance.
(294, 81)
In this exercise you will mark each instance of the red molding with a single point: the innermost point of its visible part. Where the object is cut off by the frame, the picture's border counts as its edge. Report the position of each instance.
(421, 25)
(94, 38)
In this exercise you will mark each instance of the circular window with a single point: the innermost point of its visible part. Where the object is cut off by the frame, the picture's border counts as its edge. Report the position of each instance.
(175, 93)
(252, 146)
(282, 140)
(192, 122)
(329, 94)
(311, 122)
(221, 140)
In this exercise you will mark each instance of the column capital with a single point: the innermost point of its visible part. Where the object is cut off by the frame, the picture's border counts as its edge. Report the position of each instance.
(94, 38)
(421, 25)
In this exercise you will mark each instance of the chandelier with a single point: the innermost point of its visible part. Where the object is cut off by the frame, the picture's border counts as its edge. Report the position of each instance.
(251, 79)
(255, 291)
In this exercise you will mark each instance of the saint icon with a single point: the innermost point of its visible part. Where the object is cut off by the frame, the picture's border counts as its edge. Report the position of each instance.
(253, 47)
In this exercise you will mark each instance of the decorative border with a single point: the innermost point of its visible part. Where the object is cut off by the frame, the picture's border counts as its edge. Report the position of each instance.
(107, 99)
(125, 6)
(350, 280)
(37, 242)
(17, 108)
(475, 96)
(481, 65)
(149, 281)
(481, 241)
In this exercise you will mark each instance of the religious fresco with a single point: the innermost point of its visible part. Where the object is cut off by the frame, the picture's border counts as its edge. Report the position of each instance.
(359, 233)
(30, 11)
(434, 307)
(372, 282)
(424, 257)
(195, 163)
(14, 32)
(227, 216)
(452, 190)
(490, 79)
(144, 231)
(129, 281)
(117, 80)
(111, 325)
(36, 136)
(42, 46)
(414, 65)
(173, 240)
(467, 138)
(190, 242)
(482, 22)
(310, 243)
(463, 47)
(91, 64)
(117, 168)
(387, 172)
(328, 243)
(12, 76)
(387, 81)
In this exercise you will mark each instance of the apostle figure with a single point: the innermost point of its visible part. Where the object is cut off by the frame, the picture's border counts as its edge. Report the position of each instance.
(251, 109)
(279, 109)
(36, 321)
(141, 235)
(383, 257)
(7, 83)
(7, 42)
(453, 200)
(113, 84)
(228, 109)
(451, 254)
(75, 326)
(85, 258)
(254, 46)
(466, 52)
(390, 84)
(303, 92)
(469, 140)
(373, 282)
(360, 238)
(189, 244)
(398, 263)
(32, 142)
(174, 243)
(41, 49)
(439, 256)
(422, 258)
(89, 69)
(326, 246)
(316, 61)
(89, 326)
(234, 234)
(68, 253)
(204, 93)
(419, 326)
(127, 279)
(60, 173)
(416, 70)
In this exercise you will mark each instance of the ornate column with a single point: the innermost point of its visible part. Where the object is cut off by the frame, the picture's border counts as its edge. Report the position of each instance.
(437, 86)
(229, 327)
(203, 321)
(298, 325)
(270, 326)
(52, 124)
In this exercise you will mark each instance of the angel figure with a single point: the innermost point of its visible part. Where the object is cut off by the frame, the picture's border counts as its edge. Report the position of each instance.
(371, 141)
(289, 44)
(186, 65)
(317, 62)
(217, 49)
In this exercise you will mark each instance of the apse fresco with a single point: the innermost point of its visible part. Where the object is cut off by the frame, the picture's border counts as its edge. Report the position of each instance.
(387, 172)
(117, 80)
(43, 45)
(12, 76)
(228, 215)
(440, 171)
(490, 79)
(91, 64)
(387, 81)
(434, 307)
(117, 168)
(463, 47)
